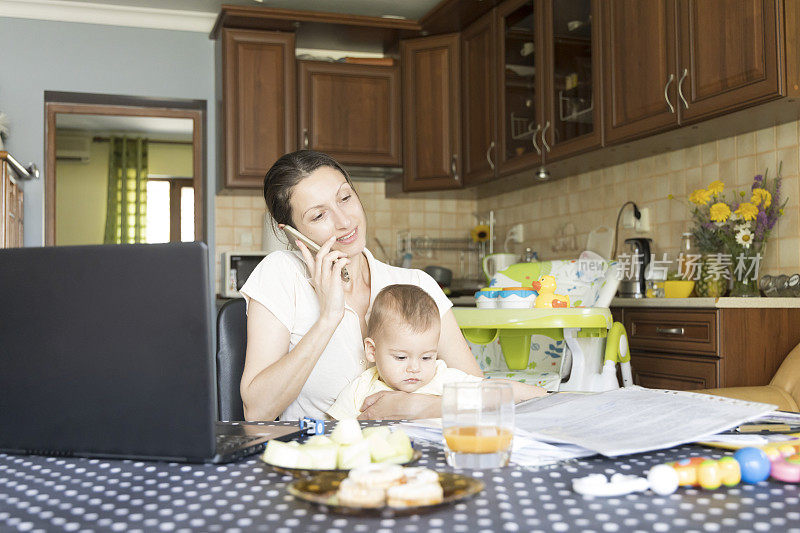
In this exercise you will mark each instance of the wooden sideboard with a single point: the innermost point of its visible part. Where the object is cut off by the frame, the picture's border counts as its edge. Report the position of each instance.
(700, 348)
(11, 201)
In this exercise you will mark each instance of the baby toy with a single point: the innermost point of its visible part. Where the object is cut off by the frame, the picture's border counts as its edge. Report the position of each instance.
(546, 287)
(784, 461)
(708, 473)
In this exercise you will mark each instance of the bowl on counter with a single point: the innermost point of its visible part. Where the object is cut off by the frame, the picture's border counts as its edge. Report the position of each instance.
(679, 288)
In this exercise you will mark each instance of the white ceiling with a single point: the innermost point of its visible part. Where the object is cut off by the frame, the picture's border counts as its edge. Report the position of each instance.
(410, 9)
(174, 129)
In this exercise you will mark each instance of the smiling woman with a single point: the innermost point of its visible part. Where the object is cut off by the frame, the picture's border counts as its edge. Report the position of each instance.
(305, 326)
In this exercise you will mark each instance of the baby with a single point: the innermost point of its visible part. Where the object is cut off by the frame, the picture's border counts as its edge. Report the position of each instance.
(402, 340)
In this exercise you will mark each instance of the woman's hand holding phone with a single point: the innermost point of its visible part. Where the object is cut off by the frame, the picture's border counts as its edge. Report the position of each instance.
(326, 277)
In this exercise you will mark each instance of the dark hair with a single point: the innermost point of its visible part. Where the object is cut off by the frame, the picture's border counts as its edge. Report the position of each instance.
(400, 303)
(289, 170)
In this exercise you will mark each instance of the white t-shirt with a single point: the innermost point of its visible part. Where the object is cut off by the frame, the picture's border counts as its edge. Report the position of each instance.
(281, 284)
(350, 400)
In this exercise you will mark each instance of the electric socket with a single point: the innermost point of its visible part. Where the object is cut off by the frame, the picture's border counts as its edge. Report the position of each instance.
(628, 220)
(516, 233)
(643, 224)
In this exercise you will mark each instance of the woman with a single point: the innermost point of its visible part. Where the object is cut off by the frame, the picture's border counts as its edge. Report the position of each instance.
(304, 323)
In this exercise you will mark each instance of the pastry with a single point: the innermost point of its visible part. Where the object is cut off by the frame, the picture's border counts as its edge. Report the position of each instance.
(414, 494)
(355, 495)
(420, 474)
(378, 475)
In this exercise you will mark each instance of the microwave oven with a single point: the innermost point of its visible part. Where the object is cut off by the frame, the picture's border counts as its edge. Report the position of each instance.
(236, 268)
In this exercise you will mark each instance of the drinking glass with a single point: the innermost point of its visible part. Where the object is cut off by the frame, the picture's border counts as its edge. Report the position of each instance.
(478, 424)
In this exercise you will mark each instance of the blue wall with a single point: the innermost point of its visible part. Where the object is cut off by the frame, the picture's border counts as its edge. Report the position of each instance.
(39, 56)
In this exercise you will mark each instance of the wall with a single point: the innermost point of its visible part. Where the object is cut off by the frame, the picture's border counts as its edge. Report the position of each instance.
(239, 220)
(92, 58)
(81, 197)
(82, 188)
(594, 198)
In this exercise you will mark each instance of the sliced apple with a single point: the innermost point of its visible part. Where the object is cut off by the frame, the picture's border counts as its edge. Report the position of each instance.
(286, 455)
(384, 431)
(354, 455)
(316, 440)
(347, 431)
(323, 456)
(401, 444)
(379, 447)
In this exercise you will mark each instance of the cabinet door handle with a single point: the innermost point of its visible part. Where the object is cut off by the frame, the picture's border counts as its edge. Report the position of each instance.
(489, 155)
(669, 331)
(544, 142)
(666, 87)
(533, 139)
(453, 168)
(680, 88)
(305, 138)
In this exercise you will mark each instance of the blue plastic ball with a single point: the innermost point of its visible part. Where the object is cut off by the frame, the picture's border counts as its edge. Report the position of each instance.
(754, 463)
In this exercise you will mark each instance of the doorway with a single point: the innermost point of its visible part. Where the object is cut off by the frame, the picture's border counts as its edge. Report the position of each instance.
(160, 144)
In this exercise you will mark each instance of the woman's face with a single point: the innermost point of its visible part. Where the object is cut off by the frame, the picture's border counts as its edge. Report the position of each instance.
(323, 204)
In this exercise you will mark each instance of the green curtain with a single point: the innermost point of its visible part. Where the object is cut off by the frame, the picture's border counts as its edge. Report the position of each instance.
(126, 211)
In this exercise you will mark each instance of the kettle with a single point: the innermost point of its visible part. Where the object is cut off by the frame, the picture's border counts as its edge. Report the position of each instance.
(634, 284)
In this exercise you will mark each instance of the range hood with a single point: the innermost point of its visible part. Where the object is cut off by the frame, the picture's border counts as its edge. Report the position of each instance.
(373, 173)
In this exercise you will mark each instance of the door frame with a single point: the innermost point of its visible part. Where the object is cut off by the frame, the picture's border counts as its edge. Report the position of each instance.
(100, 104)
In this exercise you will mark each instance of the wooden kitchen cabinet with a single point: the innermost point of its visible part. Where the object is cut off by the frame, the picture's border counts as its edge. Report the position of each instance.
(431, 113)
(673, 62)
(259, 104)
(687, 349)
(479, 100)
(11, 203)
(350, 112)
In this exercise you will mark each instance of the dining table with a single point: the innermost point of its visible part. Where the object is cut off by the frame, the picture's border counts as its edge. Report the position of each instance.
(43, 493)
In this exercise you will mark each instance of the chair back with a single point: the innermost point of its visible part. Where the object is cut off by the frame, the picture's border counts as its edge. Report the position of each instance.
(231, 345)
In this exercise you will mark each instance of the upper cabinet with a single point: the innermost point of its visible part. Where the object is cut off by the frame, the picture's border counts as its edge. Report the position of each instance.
(431, 113)
(541, 105)
(479, 99)
(259, 110)
(673, 62)
(350, 111)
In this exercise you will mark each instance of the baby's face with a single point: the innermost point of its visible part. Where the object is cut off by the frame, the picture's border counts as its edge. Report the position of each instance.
(406, 359)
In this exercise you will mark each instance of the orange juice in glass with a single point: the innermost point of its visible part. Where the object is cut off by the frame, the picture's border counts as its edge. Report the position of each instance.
(478, 424)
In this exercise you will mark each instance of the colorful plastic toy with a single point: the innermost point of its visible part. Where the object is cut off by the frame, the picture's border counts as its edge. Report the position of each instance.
(707, 473)
(754, 463)
(312, 425)
(547, 298)
(785, 461)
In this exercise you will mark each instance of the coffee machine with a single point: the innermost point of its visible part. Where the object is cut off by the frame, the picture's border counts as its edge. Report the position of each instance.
(634, 284)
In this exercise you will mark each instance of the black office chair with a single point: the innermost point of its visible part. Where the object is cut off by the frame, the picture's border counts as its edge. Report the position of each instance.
(231, 344)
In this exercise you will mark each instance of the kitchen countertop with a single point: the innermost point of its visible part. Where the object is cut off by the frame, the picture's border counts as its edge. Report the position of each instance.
(710, 303)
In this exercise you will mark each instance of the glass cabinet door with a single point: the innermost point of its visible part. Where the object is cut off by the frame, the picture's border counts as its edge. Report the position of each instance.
(519, 105)
(571, 88)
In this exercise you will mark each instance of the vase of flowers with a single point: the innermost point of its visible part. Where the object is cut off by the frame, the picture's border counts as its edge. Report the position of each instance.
(732, 230)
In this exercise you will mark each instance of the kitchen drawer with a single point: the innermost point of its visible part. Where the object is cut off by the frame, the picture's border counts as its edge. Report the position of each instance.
(675, 372)
(678, 331)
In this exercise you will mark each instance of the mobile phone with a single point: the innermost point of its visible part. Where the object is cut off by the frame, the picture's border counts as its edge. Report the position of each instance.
(314, 247)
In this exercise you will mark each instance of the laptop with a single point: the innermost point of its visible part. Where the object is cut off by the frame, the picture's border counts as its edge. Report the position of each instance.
(107, 351)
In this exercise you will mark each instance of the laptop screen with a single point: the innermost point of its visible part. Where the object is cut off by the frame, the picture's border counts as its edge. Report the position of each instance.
(107, 351)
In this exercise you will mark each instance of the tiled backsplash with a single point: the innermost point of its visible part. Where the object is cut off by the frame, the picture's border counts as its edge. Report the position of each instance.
(239, 219)
(573, 206)
(568, 208)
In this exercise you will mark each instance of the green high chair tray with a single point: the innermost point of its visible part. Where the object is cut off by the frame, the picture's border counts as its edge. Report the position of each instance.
(514, 327)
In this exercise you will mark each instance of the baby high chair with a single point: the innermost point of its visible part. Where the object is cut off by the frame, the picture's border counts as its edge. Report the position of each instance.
(568, 349)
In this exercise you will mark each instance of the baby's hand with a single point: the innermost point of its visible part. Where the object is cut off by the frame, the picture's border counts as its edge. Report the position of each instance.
(523, 391)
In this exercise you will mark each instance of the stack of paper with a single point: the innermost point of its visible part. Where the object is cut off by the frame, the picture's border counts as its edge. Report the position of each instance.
(525, 451)
(633, 419)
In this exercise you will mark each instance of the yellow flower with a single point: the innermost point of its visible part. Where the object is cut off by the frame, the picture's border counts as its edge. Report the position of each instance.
(719, 212)
(700, 197)
(480, 233)
(716, 187)
(760, 195)
(747, 211)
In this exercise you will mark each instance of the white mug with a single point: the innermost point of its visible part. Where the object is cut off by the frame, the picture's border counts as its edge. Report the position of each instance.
(492, 264)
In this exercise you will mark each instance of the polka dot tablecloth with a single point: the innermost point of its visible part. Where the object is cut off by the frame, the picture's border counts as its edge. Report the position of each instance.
(57, 494)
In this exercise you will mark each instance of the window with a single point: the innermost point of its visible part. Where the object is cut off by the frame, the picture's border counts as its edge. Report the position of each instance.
(170, 209)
